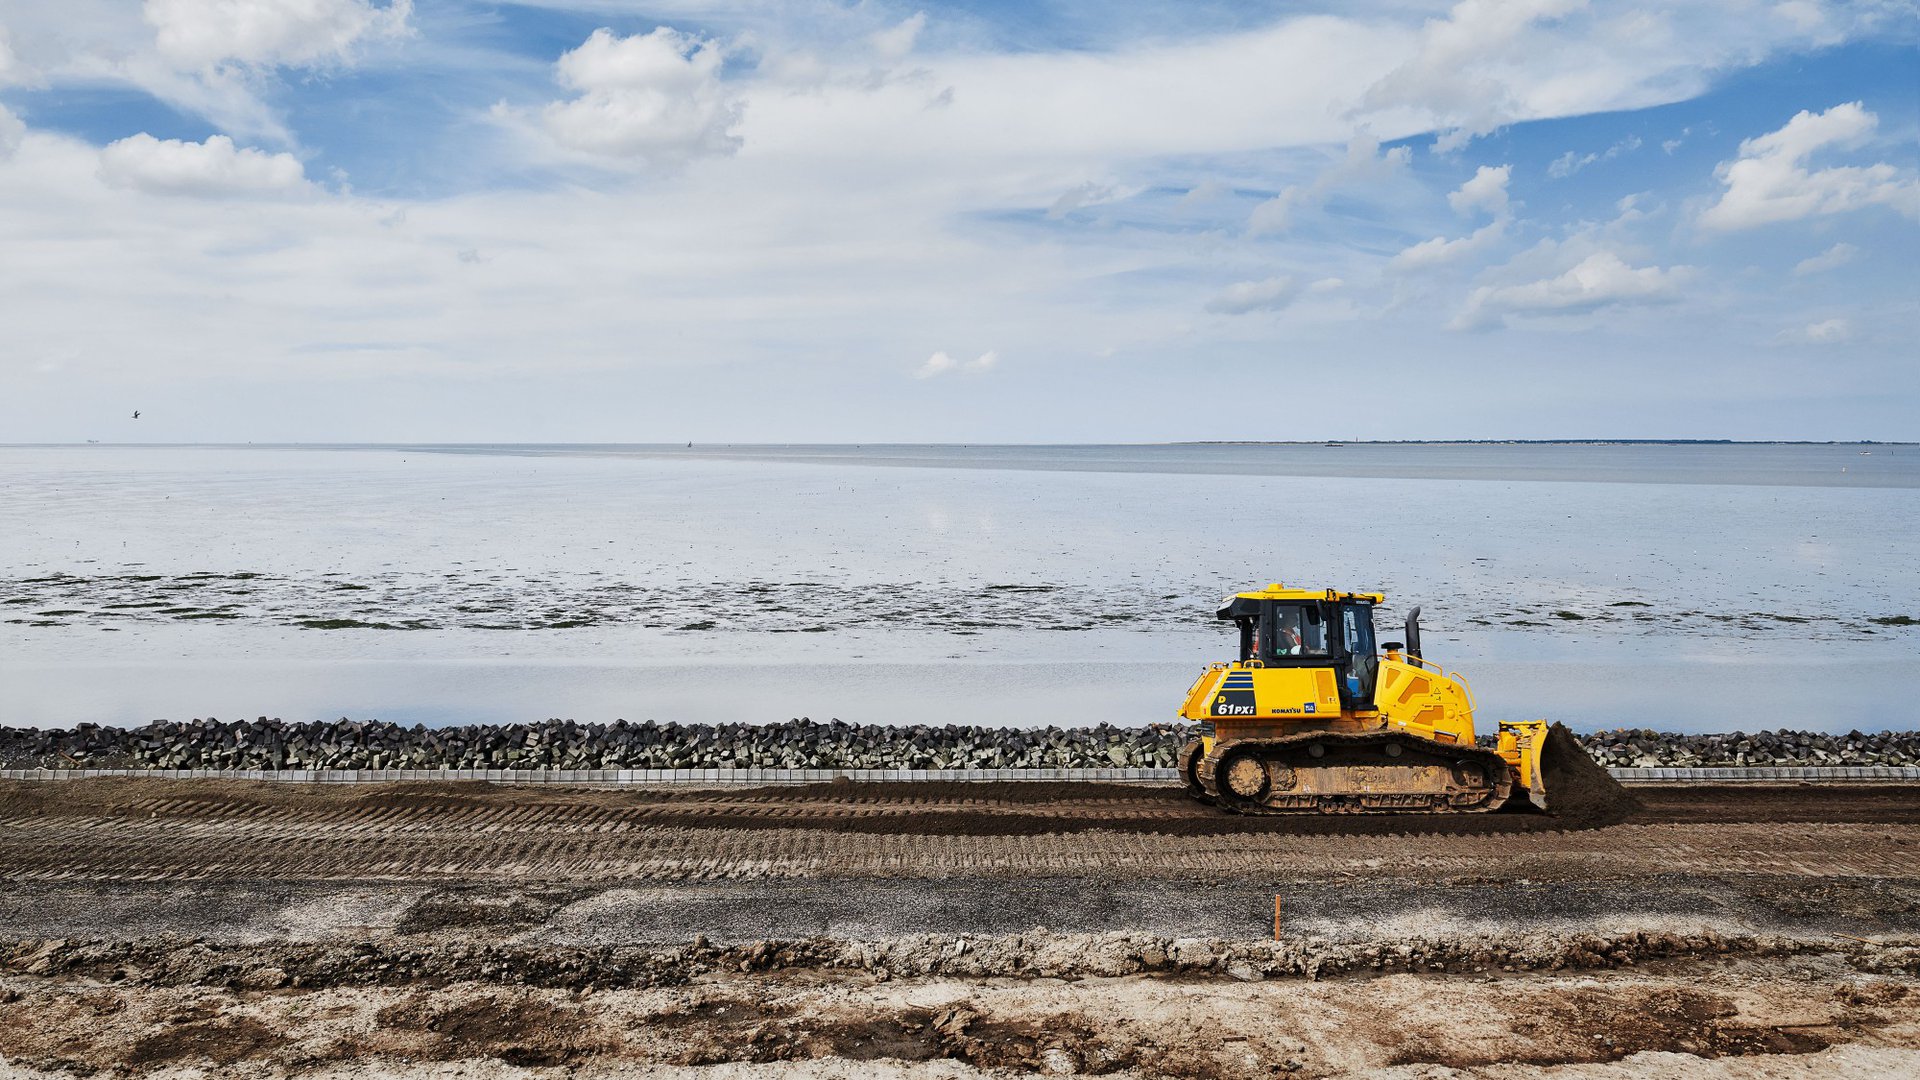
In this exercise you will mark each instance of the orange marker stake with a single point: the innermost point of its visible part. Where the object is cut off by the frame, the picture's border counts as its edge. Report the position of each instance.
(1276, 916)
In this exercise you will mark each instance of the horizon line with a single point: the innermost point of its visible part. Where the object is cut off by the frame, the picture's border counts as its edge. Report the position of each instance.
(699, 444)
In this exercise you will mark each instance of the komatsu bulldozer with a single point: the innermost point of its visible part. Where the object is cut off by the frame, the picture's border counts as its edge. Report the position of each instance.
(1315, 718)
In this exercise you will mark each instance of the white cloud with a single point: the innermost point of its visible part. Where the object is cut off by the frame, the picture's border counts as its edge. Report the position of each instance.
(657, 97)
(1600, 280)
(212, 168)
(1205, 191)
(1439, 251)
(1486, 190)
(10, 68)
(1806, 16)
(1250, 296)
(1770, 181)
(1459, 74)
(1824, 332)
(301, 33)
(1087, 194)
(1569, 163)
(1831, 259)
(1275, 215)
(1490, 63)
(1572, 162)
(1364, 163)
(941, 364)
(12, 130)
(896, 41)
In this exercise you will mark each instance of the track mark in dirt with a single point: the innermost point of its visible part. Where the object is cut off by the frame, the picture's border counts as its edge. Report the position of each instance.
(224, 829)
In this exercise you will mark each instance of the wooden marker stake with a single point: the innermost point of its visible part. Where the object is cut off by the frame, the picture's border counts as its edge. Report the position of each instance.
(1276, 916)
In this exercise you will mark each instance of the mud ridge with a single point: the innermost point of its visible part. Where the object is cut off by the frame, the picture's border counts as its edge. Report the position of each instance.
(194, 962)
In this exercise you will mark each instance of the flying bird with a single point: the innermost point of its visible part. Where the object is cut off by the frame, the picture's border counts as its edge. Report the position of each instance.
(136, 414)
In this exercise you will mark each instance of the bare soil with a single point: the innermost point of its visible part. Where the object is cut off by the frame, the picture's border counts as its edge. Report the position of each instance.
(1790, 1021)
(217, 929)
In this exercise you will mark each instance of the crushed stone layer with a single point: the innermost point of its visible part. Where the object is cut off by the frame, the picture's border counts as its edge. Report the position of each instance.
(802, 743)
(214, 830)
(1339, 909)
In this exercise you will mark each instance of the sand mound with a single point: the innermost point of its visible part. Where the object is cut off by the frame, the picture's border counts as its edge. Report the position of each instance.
(1581, 794)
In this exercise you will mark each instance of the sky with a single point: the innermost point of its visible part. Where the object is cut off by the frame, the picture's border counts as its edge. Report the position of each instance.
(1082, 221)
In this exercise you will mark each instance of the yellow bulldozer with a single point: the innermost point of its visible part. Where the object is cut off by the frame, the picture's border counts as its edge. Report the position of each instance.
(1316, 718)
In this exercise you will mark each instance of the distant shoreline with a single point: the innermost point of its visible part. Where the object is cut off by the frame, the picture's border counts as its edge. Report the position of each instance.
(699, 445)
(1541, 442)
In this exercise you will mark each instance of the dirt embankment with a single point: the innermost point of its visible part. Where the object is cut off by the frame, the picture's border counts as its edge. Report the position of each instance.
(178, 963)
(1776, 1021)
(225, 930)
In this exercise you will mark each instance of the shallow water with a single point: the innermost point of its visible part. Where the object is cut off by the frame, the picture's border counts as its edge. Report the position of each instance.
(1690, 588)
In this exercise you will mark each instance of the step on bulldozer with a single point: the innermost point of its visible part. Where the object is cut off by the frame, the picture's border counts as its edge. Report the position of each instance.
(1312, 719)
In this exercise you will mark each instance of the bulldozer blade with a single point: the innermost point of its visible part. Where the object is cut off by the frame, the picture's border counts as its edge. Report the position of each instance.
(1575, 787)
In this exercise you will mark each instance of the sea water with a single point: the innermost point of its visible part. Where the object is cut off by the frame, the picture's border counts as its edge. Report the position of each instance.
(1684, 587)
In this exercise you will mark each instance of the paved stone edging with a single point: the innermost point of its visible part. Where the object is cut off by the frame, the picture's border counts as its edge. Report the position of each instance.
(1752, 774)
(611, 777)
(627, 777)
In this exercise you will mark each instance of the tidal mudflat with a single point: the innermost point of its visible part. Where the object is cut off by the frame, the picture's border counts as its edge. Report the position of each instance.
(1677, 587)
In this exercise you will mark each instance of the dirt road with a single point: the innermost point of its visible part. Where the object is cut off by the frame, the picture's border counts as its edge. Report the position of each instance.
(143, 830)
(938, 930)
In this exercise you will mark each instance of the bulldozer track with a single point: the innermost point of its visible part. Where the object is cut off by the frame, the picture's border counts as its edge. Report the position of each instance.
(1272, 766)
(210, 830)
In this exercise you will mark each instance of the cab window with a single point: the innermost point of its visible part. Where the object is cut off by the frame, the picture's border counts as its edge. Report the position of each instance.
(1356, 631)
(1298, 630)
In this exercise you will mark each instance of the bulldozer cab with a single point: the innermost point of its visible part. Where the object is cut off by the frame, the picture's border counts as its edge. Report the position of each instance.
(1312, 630)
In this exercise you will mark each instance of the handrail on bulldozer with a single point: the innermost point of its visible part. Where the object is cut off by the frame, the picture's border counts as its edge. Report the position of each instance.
(1466, 692)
